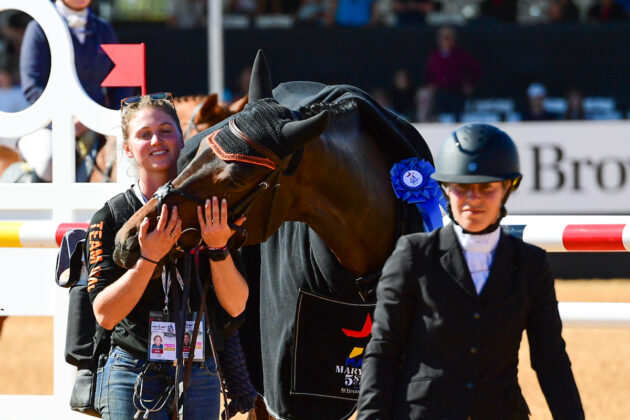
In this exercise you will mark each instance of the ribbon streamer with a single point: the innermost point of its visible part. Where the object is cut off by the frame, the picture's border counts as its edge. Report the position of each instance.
(412, 182)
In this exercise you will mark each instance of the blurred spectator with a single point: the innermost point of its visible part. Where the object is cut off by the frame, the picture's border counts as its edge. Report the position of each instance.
(88, 32)
(353, 12)
(382, 96)
(187, 14)
(414, 12)
(403, 95)
(606, 11)
(243, 7)
(12, 26)
(451, 72)
(562, 11)
(575, 104)
(499, 10)
(11, 97)
(312, 12)
(279, 7)
(536, 94)
(424, 105)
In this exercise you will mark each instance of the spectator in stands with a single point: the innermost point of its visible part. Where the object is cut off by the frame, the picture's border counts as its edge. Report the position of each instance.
(312, 12)
(354, 12)
(414, 12)
(562, 11)
(403, 93)
(88, 32)
(243, 7)
(536, 94)
(499, 10)
(11, 97)
(187, 14)
(382, 96)
(279, 7)
(606, 11)
(575, 104)
(12, 26)
(451, 72)
(424, 105)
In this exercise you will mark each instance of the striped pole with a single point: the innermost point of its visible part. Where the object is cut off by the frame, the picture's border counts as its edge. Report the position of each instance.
(35, 234)
(595, 314)
(552, 233)
(563, 237)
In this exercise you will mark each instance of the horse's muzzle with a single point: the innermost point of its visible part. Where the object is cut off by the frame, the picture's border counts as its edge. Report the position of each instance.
(127, 251)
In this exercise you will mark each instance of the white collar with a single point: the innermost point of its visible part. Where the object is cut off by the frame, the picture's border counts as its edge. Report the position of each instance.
(139, 194)
(485, 243)
(75, 19)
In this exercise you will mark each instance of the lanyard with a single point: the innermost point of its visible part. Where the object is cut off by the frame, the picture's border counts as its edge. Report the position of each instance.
(166, 285)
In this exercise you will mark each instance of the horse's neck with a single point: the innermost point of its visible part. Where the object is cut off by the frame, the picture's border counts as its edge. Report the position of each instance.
(343, 192)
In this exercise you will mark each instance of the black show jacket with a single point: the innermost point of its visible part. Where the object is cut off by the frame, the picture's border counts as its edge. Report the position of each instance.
(440, 351)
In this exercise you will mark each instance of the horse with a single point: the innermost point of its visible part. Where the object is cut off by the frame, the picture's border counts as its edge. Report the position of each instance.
(195, 112)
(8, 156)
(313, 178)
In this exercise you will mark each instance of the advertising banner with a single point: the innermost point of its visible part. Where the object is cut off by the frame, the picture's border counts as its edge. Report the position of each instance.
(580, 167)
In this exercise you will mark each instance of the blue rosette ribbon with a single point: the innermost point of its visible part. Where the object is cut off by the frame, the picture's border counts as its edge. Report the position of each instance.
(412, 182)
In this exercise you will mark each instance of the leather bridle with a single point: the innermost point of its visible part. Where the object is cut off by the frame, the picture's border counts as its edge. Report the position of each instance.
(243, 207)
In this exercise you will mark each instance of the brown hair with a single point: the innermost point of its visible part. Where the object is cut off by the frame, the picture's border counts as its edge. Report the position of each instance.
(128, 112)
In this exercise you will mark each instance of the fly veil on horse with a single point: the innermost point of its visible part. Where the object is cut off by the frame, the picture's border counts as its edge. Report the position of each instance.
(310, 169)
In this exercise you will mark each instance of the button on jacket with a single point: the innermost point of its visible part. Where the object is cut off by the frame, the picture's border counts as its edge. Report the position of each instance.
(440, 351)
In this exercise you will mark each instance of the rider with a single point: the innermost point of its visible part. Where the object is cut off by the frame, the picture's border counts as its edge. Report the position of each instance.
(124, 300)
(452, 304)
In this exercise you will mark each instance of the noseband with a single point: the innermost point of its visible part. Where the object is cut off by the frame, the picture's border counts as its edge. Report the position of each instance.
(241, 209)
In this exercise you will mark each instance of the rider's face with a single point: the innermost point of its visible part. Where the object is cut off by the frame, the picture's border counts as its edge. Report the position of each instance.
(154, 141)
(476, 206)
(77, 5)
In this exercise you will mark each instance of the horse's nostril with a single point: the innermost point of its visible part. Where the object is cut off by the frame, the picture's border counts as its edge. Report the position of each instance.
(133, 231)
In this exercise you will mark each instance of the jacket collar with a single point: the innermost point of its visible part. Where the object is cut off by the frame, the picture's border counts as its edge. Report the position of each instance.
(453, 262)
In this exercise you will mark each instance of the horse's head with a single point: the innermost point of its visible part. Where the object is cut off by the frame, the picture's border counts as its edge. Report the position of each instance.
(242, 162)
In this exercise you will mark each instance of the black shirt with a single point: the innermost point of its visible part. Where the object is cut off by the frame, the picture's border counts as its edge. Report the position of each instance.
(131, 334)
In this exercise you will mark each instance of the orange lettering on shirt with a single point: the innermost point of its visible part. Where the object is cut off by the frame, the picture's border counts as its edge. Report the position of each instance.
(96, 256)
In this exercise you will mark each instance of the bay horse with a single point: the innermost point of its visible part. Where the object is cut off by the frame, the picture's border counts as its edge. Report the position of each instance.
(309, 166)
(195, 112)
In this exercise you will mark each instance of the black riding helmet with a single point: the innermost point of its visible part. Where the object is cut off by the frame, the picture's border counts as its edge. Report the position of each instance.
(477, 153)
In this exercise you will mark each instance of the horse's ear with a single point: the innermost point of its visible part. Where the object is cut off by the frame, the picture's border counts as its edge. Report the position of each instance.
(238, 105)
(298, 133)
(208, 107)
(260, 80)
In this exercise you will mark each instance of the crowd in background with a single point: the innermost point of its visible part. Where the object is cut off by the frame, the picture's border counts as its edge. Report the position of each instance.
(444, 90)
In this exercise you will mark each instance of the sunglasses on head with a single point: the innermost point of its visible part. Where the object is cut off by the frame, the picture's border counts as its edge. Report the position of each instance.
(135, 99)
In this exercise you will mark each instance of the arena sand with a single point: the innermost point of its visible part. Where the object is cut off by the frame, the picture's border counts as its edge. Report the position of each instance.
(600, 357)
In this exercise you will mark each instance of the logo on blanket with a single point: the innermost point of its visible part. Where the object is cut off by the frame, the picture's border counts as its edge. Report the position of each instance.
(351, 369)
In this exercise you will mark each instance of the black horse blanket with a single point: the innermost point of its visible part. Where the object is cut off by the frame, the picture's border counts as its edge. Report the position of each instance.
(296, 258)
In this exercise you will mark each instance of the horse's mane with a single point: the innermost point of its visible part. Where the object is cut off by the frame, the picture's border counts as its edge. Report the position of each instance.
(189, 98)
(335, 109)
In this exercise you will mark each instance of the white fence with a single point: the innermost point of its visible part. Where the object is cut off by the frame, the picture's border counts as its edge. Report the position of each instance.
(27, 286)
(27, 274)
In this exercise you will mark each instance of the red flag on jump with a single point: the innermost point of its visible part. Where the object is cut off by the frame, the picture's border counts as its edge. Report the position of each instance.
(129, 66)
